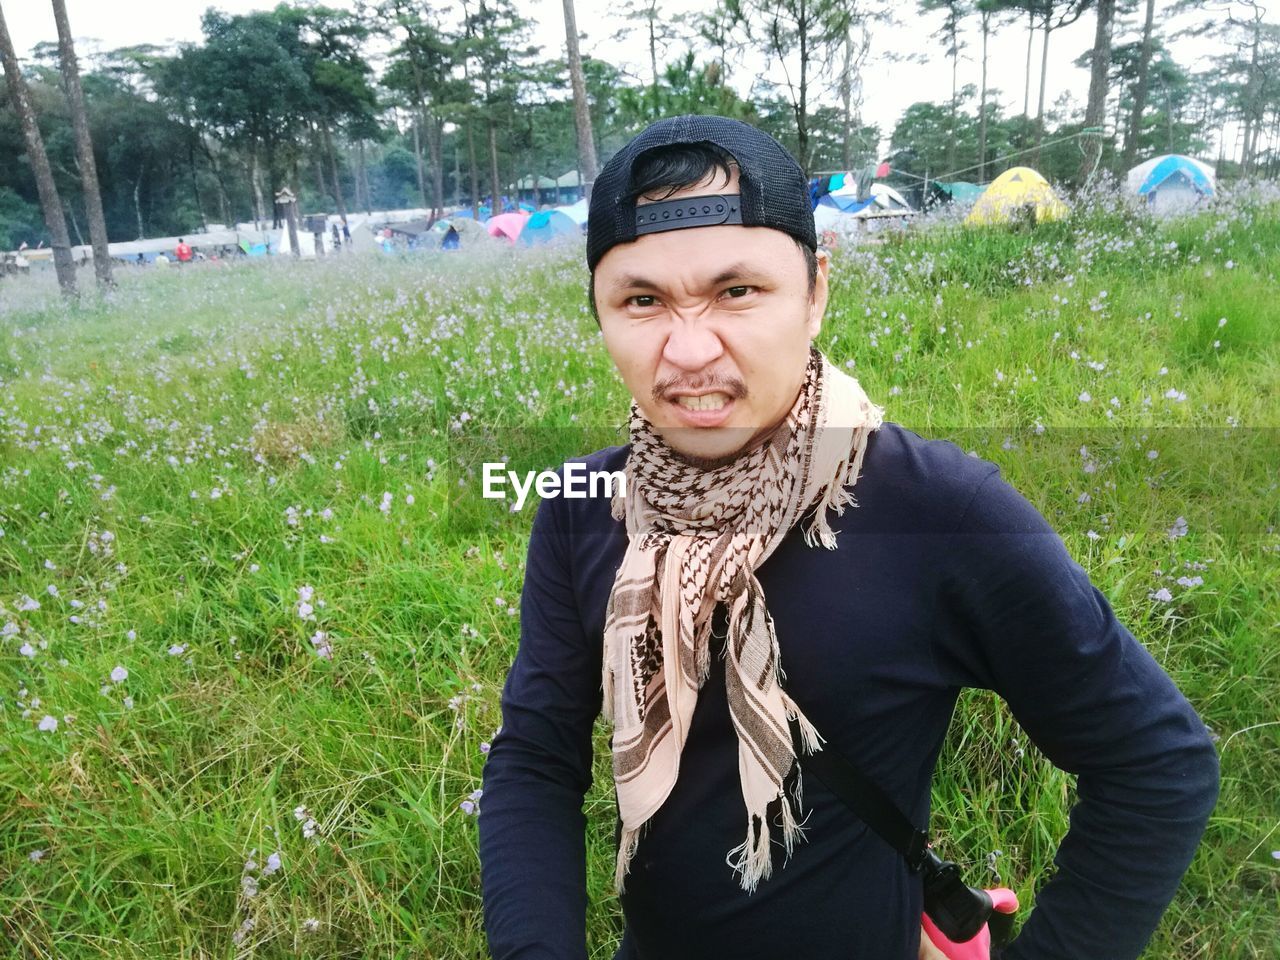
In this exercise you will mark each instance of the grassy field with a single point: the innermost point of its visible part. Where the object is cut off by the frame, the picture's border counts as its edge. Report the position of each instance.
(254, 619)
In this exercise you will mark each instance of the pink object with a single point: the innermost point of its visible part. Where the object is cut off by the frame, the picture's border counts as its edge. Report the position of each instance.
(882, 170)
(506, 226)
(979, 948)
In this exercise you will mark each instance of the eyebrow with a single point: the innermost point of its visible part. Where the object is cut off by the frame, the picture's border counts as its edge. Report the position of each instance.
(738, 271)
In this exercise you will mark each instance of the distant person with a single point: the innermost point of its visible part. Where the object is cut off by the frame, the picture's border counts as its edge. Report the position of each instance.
(182, 252)
(141, 261)
(337, 238)
(451, 239)
(346, 232)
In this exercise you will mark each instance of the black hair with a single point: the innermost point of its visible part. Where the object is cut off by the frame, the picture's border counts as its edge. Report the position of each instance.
(662, 171)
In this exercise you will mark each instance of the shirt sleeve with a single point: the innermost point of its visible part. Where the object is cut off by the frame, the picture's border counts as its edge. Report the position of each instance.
(531, 824)
(1031, 626)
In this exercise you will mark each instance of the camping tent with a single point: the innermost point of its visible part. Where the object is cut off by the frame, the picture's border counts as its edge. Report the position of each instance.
(961, 191)
(468, 232)
(576, 212)
(546, 226)
(888, 198)
(1019, 191)
(506, 226)
(1171, 183)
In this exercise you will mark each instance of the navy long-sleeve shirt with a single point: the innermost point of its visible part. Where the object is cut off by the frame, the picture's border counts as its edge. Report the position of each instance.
(944, 577)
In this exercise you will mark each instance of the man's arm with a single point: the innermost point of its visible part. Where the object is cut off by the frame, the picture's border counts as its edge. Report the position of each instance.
(532, 846)
(1034, 629)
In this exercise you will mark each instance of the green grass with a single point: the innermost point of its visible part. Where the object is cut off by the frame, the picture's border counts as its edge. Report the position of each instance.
(296, 389)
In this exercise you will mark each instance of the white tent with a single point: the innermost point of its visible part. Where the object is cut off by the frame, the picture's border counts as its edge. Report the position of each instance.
(888, 198)
(885, 196)
(576, 212)
(1172, 183)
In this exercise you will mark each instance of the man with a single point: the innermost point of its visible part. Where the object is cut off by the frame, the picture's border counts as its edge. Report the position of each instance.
(182, 252)
(729, 591)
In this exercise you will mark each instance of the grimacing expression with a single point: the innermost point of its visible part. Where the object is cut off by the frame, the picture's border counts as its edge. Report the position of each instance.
(710, 327)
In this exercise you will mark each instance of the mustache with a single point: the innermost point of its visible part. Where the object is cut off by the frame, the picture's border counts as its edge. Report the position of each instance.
(733, 386)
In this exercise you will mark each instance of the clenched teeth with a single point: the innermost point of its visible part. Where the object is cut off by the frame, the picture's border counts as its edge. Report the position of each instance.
(710, 401)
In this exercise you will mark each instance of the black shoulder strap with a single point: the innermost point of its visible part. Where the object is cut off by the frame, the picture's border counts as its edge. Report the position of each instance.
(871, 804)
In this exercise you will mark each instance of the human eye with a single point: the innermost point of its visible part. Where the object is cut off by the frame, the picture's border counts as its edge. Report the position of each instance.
(642, 301)
(739, 291)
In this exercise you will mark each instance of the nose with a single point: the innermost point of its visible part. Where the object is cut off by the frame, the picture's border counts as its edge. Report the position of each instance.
(691, 346)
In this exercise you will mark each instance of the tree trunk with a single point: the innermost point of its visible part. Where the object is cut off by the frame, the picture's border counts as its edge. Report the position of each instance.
(846, 101)
(955, 73)
(255, 181)
(50, 203)
(137, 200)
(1253, 106)
(435, 147)
(84, 146)
(1100, 66)
(417, 156)
(982, 102)
(495, 205)
(363, 173)
(1140, 90)
(587, 162)
(327, 137)
(802, 112)
(75, 225)
(475, 172)
(1044, 77)
(653, 60)
(1031, 36)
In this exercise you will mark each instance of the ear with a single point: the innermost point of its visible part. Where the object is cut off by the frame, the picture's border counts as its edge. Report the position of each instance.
(821, 289)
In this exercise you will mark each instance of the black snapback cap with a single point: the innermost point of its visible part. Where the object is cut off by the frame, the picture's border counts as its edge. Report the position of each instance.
(773, 190)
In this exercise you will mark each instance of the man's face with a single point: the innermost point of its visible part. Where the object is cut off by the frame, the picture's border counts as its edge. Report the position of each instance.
(710, 328)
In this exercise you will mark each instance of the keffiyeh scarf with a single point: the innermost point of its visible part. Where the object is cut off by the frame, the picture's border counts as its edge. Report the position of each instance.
(696, 538)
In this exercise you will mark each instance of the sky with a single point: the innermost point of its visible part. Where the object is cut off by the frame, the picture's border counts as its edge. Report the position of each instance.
(889, 87)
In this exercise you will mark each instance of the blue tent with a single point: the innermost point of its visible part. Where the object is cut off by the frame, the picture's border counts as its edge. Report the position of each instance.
(845, 203)
(1171, 183)
(548, 225)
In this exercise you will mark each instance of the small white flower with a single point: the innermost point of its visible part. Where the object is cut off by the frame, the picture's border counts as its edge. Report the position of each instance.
(1085, 397)
(48, 723)
(27, 650)
(1163, 595)
(273, 864)
(35, 856)
(177, 650)
(311, 924)
(131, 635)
(119, 674)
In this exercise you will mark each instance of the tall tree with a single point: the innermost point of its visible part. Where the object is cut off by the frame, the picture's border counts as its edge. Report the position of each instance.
(791, 33)
(849, 43)
(647, 15)
(84, 146)
(954, 11)
(581, 109)
(1099, 69)
(50, 202)
(1140, 89)
(1055, 14)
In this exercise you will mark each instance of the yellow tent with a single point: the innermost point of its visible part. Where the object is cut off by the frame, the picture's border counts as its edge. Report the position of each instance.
(1020, 192)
